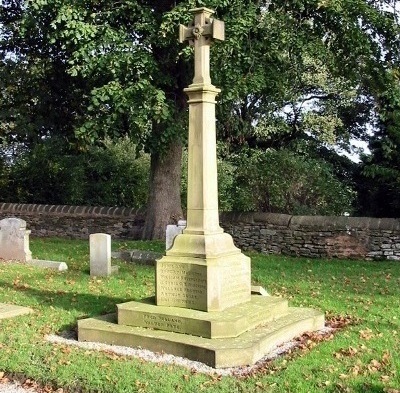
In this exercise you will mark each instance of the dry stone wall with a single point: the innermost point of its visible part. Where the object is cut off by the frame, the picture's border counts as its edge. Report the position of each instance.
(309, 236)
(315, 236)
(76, 222)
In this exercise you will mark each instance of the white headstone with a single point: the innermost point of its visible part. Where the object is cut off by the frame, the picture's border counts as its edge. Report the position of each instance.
(172, 231)
(100, 255)
(14, 240)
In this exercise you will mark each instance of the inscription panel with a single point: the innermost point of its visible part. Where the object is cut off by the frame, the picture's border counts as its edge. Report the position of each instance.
(181, 285)
(235, 286)
(164, 322)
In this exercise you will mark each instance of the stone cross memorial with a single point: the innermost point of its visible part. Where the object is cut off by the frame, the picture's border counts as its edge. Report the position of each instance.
(203, 308)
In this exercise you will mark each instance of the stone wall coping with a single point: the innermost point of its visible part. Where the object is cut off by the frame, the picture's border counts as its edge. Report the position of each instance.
(273, 219)
(256, 217)
(316, 222)
(67, 210)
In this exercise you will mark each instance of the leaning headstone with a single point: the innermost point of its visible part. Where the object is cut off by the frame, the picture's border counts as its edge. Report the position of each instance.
(100, 255)
(14, 240)
(11, 310)
(172, 231)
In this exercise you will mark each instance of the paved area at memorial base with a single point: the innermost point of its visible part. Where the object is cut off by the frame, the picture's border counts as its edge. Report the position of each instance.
(245, 349)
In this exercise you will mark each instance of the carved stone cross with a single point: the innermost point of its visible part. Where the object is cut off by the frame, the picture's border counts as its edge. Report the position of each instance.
(203, 270)
(200, 33)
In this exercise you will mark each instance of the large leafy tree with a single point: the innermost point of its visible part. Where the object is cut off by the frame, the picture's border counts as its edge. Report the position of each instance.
(309, 70)
(379, 188)
(38, 97)
(297, 71)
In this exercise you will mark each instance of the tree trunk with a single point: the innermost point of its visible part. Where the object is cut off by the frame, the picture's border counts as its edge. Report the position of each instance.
(164, 202)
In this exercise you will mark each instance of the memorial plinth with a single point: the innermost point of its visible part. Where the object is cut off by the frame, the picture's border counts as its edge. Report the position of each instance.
(203, 308)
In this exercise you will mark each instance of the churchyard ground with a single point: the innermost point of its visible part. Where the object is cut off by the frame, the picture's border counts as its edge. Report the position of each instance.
(362, 298)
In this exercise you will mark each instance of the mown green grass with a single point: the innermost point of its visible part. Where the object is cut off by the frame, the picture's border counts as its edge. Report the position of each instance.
(363, 357)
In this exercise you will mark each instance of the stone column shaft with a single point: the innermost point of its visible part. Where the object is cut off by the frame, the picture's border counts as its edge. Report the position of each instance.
(202, 198)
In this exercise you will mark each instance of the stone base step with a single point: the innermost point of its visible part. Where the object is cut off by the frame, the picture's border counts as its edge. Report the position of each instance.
(245, 349)
(216, 324)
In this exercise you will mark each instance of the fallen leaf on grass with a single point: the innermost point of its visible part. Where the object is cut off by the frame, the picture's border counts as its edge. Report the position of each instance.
(374, 366)
(340, 321)
(386, 358)
(366, 334)
(342, 388)
(356, 370)
(348, 352)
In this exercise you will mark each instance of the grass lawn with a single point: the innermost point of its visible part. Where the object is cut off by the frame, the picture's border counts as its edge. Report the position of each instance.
(362, 357)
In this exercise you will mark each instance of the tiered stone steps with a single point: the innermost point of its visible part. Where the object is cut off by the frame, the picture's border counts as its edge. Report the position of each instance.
(237, 336)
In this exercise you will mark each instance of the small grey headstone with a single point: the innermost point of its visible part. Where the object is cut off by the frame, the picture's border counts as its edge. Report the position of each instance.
(137, 256)
(100, 255)
(172, 231)
(14, 240)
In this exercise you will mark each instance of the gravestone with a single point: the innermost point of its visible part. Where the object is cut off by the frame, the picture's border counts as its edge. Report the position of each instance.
(172, 231)
(14, 240)
(140, 257)
(203, 308)
(14, 245)
(100, 255)
(11, 310)
(55, 265)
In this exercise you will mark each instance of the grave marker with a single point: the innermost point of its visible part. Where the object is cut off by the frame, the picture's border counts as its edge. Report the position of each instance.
(14, 240)
(14, 245)
(100, 255)
(172, 231)
(11, 310)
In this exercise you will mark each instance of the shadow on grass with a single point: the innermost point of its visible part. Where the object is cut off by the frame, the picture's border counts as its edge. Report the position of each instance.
(369, 388)
(87, 304)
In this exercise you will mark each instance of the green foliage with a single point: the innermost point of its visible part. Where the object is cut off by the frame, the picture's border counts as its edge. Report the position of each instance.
(226, 177)
(299, 70)
(108, 175)
(124, 63)
(278, 181)
(283, 182)
(379, 188)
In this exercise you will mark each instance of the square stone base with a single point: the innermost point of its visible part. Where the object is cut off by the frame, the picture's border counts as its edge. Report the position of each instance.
(206, 284)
